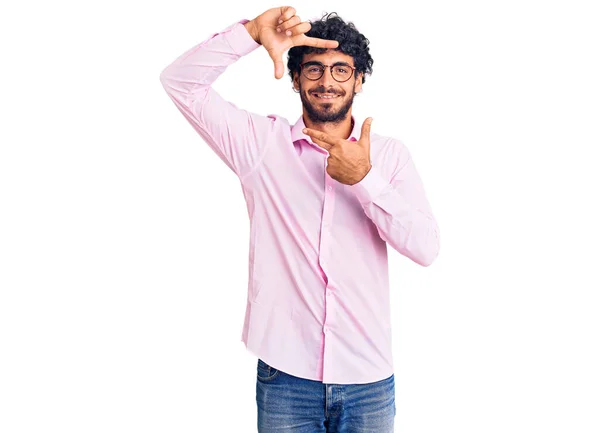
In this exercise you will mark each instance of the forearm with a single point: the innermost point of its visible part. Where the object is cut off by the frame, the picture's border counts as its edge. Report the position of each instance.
(238, 136)
(411, 232)
(401, 213)
(196, 69)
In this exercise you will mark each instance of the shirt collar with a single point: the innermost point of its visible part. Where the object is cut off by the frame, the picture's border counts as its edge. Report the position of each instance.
(297, 133)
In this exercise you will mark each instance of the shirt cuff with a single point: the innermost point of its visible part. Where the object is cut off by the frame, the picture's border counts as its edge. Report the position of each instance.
(370, 186)
(239, 39)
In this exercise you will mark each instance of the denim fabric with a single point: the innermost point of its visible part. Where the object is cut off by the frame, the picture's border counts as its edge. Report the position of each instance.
(287, 403)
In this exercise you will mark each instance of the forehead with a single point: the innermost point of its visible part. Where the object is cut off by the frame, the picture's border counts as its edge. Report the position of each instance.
(329, 57)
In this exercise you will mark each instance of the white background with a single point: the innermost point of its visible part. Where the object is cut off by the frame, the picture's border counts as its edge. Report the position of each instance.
(124, 238)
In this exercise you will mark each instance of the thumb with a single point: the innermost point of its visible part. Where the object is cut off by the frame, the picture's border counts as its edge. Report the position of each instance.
(278, 62)
(365, 133)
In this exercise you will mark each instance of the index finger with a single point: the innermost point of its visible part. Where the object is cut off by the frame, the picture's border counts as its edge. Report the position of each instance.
(321, 136)
(319, 43)
(322, 144)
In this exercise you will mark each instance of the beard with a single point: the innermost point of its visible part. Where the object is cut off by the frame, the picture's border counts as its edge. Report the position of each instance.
(325, 112)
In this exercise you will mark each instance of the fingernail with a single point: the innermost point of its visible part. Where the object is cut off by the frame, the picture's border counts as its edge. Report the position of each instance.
(304, 130)
(278, 30)
(289, 33)
(280, 21)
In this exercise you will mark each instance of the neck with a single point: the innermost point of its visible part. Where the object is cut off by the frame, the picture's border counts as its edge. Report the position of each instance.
(342, 129)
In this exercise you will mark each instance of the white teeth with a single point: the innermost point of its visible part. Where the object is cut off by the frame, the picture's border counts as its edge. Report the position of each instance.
(325, 96)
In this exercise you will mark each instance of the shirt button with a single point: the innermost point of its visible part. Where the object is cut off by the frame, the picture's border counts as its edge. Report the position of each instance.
(328, 292)
(329, 187)
(326, 330)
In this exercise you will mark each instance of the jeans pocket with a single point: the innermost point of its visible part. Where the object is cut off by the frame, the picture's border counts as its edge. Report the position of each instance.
(264, 372)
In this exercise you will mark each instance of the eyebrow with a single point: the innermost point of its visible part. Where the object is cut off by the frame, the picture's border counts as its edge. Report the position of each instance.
(321, 64)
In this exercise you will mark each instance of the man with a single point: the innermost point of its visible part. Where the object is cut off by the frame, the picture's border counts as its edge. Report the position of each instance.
(325, 196)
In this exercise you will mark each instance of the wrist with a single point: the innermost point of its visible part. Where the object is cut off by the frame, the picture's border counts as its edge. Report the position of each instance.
(366, 171)
(252, 29)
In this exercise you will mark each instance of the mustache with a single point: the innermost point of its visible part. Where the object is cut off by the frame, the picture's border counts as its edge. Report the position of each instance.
(323, 90)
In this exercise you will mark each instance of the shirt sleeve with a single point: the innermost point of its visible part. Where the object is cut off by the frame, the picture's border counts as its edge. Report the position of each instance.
(400, 210)
(237, 136)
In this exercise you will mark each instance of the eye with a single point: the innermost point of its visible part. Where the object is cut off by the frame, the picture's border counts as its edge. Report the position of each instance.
(314, 69)
(343, 70)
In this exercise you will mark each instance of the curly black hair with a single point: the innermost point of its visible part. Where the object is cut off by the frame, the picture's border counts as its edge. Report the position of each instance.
(351, 42)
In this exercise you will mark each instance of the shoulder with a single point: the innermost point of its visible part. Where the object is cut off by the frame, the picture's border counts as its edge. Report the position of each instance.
(267, 124)
(276, 118)
(277, 122)
(390, 150)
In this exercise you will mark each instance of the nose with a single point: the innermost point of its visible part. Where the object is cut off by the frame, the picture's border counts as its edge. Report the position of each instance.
(327, 79)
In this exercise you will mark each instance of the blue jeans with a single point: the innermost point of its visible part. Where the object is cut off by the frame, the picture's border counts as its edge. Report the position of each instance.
(287, 404)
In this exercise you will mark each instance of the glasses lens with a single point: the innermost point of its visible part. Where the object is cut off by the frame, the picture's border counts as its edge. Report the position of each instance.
(342, 73)
(313, 72)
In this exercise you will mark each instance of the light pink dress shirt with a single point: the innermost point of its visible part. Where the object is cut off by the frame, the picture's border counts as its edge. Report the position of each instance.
(318, 288)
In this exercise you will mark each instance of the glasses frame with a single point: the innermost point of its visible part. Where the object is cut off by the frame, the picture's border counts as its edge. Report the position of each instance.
(322, 66)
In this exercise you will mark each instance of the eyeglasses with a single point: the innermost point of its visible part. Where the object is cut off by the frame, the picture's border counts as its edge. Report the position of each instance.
(315, 70)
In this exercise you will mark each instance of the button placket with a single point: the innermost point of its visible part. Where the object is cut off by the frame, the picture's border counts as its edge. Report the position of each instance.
(328, 206)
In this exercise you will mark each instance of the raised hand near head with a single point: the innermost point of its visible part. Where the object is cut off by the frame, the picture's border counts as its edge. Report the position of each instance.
(279, 29)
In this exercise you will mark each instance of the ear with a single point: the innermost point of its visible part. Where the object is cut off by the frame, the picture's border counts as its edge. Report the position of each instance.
(358, 83)
(296, 83)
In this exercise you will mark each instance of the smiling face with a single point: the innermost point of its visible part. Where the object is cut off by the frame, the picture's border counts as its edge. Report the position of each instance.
(325, 99)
